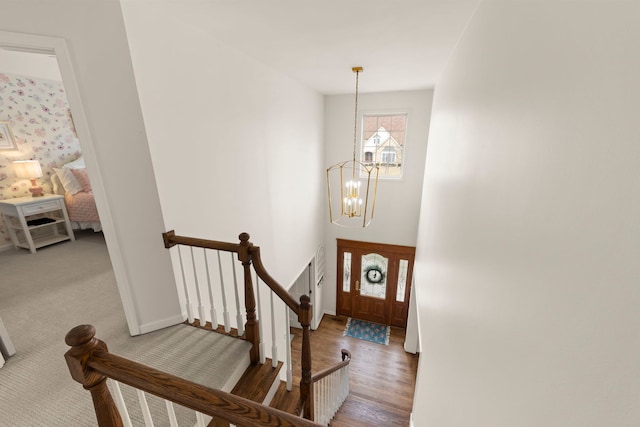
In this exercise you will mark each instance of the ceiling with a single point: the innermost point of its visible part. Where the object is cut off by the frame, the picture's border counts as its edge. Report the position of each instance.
(402, 44)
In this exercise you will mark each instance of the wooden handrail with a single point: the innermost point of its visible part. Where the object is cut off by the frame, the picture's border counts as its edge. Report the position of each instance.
(346, 359)
(90, 363)
(271, 282)
(170, 240)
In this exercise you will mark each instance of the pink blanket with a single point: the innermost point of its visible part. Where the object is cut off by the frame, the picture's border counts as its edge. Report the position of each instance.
(81, 207)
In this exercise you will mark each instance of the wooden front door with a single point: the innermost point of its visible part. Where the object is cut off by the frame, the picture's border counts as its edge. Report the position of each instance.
(374, 281)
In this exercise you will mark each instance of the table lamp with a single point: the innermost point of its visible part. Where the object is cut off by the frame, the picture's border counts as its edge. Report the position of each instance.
(29, 169)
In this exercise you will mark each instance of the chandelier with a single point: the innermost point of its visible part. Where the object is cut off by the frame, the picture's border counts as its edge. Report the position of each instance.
(353, 204)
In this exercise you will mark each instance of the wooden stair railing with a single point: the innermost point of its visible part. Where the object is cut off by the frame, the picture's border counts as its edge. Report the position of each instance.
(90, 364)
(249, 254)
(330, 388)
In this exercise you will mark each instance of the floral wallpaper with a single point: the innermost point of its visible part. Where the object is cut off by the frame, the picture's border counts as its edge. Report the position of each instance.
(38, 113)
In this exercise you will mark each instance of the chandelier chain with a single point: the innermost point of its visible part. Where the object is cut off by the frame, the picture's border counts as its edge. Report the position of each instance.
(355, 121)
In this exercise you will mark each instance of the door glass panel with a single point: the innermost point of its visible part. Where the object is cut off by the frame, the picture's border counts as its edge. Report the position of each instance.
(346, 273)
(402, 279)
(374, 276)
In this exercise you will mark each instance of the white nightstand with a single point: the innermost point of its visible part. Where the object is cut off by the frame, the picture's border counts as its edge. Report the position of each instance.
(34, 222)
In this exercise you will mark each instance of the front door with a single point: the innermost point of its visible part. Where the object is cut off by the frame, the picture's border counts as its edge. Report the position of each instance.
(374, 281)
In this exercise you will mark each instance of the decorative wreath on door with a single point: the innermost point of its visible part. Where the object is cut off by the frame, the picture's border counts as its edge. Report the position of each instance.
(374, 274)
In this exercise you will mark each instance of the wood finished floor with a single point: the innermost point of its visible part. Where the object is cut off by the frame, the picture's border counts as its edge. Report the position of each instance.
(382, 377)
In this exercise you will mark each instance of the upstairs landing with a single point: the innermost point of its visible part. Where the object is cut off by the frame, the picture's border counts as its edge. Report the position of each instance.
(210, 359)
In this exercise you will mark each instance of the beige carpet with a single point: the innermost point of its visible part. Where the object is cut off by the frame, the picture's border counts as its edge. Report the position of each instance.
(42, 296)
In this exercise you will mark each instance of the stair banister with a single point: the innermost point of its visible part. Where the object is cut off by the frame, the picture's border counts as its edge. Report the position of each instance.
(304, 312)
(83, 346)
(90, 364)
(346, 358)
(249, 254)
(251, 329)
(332, 396)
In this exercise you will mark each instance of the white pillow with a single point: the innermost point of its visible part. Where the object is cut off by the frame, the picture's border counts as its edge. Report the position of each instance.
(68, 180)
(76, 164)
(57, 185)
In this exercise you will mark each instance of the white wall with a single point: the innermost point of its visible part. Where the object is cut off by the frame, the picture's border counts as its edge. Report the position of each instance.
(94, 32)
(398, 202)
(529, 239)
(236, 146)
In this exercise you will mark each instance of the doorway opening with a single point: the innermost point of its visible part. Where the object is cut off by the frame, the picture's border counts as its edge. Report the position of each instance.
(57, 48)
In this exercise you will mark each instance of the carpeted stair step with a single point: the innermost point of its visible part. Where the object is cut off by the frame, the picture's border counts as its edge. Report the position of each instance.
(255, 384)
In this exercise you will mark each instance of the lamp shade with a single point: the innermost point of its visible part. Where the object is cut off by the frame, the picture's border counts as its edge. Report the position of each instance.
(27, 169)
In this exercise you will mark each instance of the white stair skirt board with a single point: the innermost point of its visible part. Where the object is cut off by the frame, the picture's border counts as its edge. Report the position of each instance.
(272, 391)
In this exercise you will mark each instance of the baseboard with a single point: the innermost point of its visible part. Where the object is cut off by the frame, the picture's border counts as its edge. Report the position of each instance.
(6, 247)
(160, 324)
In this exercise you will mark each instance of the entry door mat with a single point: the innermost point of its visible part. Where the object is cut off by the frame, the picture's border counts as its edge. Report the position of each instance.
(367, 331)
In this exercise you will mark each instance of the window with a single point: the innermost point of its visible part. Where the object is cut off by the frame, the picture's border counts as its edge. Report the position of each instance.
(383, 139)
(388, 155)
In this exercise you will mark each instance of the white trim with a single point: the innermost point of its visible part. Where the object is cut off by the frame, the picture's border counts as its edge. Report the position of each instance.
(58, 47)
(6, 247)
(412, 342)
(385, 112)
(162, 323)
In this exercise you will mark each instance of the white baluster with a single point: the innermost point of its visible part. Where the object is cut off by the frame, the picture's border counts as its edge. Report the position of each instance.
(335, 393)
(274, 344)
(239, 320)
(201, 311)
(319, 402)
(327, 405)
(186, 289)
(225, 313)
(214, 314)
(200, 420)
(323, 405)
(287, 337)
(260, 331)
(171, 413)
(331, 398)
(122, 407)
(316, 410)
(342, 383)
(148, 422)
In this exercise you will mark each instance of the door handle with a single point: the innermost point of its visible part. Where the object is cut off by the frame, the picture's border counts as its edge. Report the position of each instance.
(358, 285)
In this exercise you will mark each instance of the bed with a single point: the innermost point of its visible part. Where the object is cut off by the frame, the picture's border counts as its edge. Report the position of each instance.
(72, 181)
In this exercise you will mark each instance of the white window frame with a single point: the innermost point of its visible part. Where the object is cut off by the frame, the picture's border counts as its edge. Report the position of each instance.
(361, 155)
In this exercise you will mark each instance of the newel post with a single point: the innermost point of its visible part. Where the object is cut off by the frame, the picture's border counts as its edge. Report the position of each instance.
(252, 333)
(304, 317)
(83, 345)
